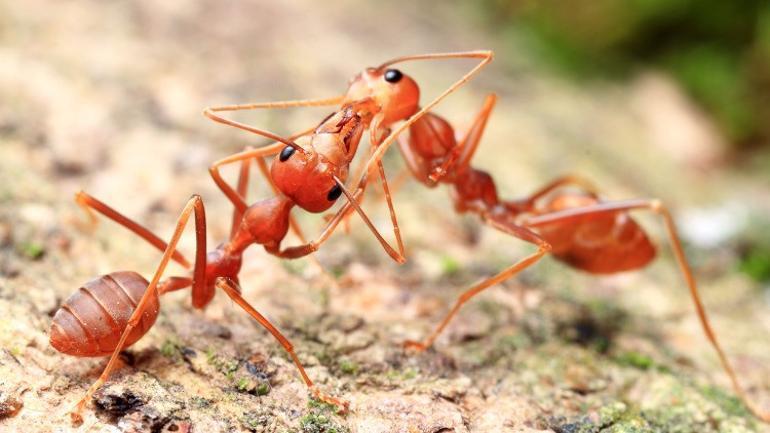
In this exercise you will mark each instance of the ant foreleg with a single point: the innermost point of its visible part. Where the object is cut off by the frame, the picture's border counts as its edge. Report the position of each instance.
(195, 204)
(242, 190)
(91, 205)
(461, 155)
(528, 202)
(391, 210)
(519, 232)
(310, 247)
(570, 216)
(234, 292)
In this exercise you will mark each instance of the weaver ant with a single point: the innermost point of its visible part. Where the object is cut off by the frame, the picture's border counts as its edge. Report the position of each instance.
(576, 227)
(113, 311)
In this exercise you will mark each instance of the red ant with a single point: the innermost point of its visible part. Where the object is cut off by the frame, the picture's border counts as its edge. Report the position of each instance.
(576, 227)
(113, 311)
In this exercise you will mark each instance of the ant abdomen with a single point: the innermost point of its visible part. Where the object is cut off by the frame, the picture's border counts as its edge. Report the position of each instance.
(91, 321)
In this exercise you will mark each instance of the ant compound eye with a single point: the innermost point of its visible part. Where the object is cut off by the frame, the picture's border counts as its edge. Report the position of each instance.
(286, 153)
(393, 75)
(334, 193)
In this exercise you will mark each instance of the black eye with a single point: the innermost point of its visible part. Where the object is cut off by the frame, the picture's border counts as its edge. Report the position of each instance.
(334, 193)
(286, 153)
(393, 75)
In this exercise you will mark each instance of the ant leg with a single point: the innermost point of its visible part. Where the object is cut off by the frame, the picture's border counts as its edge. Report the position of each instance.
(194, 204)
(462, 153)
(234, 292)
(359, 173)
(414, 162)
(569, 216)
(485, 56)
(527, 204)
(562, 181)
(391, 209)
(393, 219)
(242, 190)
(310, 247)
(543, 247)
(91, 205)
(229, 192)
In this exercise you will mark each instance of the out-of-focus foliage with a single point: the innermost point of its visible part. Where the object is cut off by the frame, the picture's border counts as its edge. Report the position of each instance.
(719, 50)
(754, 252)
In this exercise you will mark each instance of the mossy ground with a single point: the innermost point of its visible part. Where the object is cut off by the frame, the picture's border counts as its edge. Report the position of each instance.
(108, 97)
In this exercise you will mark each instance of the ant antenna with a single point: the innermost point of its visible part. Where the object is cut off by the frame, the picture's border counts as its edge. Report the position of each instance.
(433, 56)
(210, 113)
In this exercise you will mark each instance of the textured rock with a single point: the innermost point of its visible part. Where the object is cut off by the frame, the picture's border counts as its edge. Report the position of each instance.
(107, 98)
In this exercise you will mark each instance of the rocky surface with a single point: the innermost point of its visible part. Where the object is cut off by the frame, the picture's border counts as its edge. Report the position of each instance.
(107, 97)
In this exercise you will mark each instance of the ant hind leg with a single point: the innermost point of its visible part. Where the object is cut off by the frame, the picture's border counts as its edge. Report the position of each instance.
(233, 291)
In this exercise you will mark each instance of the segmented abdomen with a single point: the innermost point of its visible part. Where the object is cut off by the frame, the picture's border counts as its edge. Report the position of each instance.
(91, 321)
(597, 243)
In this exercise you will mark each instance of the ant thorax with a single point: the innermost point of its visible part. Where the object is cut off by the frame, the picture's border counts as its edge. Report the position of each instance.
(337, 138)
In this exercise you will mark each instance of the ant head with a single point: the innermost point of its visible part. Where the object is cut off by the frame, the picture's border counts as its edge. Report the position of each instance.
(397, 94)
(307, 178)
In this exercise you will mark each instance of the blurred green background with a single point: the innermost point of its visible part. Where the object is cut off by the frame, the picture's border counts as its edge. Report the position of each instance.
(644, 98)
(718, 50)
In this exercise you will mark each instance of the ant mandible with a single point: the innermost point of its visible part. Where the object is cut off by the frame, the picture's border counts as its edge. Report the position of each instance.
(113, 311)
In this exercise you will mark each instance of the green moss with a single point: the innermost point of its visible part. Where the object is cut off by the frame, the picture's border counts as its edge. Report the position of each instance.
(320, 423)
(200, 402)
(728, 402)
(210, 355)
(449, 266)
(262, 389)
(756, 264)
(320, 419)
(613, 418)
(255, 420)
(611, 413)
(635, 359)
(316, 405)
(348, 367)
(223, 365)
(171, 349)
(631, 425)
(324, 357)
(242, 384)
(32, 250)
(397, 375)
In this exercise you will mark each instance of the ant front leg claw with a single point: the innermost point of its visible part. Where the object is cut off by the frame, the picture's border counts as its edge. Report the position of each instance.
(75, 414)
(341, 405)
(415, 346)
